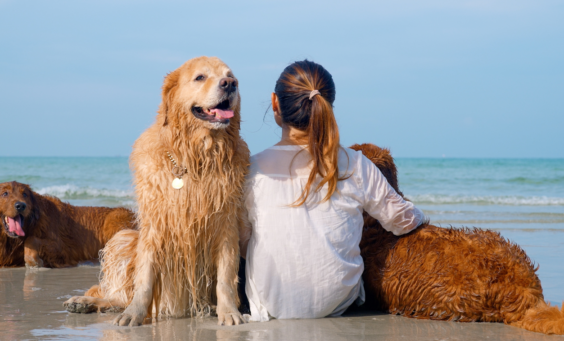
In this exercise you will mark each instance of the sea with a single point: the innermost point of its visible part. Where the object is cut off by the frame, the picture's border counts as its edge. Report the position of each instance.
(523, 199)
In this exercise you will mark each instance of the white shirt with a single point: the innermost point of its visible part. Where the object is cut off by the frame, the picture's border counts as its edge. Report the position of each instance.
(304, 262)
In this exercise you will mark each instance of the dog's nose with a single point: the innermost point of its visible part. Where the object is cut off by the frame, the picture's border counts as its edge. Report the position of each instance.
(228, 84)
(20, 206)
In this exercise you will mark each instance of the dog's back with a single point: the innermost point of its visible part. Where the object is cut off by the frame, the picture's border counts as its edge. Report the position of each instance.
(66, 235)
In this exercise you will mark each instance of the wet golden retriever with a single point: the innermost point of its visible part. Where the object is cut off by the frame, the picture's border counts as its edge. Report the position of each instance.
(46, 232)
(454, 274)
(189, 170)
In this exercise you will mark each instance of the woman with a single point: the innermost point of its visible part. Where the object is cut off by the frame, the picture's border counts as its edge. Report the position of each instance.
(305, 197)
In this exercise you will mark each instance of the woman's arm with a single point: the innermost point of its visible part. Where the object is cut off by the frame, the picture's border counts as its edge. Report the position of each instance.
(383, 203)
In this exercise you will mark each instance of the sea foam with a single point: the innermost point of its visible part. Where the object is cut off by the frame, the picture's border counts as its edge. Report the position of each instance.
(73, 192)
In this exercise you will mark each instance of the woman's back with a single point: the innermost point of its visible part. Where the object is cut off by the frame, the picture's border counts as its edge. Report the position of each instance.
(304, 261)
(305, 198)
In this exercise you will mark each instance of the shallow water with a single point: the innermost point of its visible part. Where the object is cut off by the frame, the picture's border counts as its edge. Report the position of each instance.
(31, 309)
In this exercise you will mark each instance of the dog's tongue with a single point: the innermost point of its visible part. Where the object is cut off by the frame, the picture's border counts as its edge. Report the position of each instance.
(222, 113)
(15, 226)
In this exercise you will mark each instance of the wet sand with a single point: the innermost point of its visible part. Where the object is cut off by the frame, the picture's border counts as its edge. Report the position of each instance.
(31, 309)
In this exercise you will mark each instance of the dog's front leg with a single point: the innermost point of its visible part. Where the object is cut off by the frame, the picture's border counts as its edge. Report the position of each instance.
(31, 253)
(228, 264)
(144, 280)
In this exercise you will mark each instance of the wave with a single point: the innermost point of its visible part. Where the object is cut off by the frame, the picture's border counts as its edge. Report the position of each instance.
(73, 192)
(504, 213)
(536, 181)
(477, 222)
(441, 199)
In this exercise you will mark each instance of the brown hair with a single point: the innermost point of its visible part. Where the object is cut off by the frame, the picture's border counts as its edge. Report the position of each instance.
(313, 116)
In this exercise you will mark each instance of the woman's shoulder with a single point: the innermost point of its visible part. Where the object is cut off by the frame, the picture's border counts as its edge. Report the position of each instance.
(266, 155)
(350, 152)
(273, 150)
(268, 160)
(276, 155)
(349, 159)
(259, 156)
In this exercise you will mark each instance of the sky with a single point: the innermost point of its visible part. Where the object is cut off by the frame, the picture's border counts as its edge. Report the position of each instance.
(435, 78)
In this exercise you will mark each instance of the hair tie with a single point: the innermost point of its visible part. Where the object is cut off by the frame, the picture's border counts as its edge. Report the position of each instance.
(313, 93)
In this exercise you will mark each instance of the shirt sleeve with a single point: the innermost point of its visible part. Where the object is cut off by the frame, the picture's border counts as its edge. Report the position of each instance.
(383, 203)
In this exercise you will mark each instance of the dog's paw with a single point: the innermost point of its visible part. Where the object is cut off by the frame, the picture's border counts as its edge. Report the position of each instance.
(33, 263)
(80, 305)
(229, 317)
(131, 317)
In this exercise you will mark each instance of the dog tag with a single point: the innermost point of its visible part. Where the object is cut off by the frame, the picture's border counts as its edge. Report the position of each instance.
(177, 183)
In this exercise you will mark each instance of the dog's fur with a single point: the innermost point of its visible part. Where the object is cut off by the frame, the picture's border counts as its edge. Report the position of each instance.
(184, 258)
(451, 274)
(57, 234)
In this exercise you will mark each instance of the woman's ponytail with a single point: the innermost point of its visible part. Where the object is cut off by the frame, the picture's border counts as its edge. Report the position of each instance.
(306, 93)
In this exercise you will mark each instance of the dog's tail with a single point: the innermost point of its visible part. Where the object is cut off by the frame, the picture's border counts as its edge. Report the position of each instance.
(543, 318)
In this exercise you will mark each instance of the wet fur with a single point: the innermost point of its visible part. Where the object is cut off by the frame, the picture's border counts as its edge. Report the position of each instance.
(189, 236)
(57, 234)
(453, 274)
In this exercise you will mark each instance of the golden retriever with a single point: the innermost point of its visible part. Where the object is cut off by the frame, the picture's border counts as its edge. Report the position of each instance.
(189, 172)
(46, 232)
(451, 274)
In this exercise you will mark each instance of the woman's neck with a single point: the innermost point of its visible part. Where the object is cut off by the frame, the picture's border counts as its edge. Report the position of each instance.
(292, 136)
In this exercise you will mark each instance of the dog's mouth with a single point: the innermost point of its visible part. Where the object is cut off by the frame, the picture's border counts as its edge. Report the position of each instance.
(220, 113)
(13, 226)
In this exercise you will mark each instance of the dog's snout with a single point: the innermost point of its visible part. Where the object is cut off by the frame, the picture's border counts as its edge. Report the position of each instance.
(20, 206)
(228, 84)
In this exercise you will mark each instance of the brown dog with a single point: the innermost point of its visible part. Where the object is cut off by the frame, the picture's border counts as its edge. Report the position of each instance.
(45, 231)
(451, 274)
(189, 172)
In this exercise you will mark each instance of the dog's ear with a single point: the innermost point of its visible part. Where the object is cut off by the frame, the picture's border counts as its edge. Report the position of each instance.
(35, 210)
(169, 87)
(382, 158)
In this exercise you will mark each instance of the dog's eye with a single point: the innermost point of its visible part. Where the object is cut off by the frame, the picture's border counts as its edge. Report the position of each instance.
(25, 195)
(200, 78)
(5, 194)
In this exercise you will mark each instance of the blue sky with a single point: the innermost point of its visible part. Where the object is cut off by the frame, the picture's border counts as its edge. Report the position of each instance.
(424, 78)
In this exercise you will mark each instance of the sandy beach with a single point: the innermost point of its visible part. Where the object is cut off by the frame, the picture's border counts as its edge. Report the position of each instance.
(31, 309)
(36, 312)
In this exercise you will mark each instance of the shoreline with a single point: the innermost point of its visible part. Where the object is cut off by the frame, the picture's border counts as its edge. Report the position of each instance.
(36, 312)
(31, 308)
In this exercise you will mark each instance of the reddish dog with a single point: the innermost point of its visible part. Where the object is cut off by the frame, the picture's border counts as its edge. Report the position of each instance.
(451, 274)
(45, 231)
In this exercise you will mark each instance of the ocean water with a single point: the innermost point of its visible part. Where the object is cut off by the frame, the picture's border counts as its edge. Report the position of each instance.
(523, 199)
(493, 193)
(84, 181)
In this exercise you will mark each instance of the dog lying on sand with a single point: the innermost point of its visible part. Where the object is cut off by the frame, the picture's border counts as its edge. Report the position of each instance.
(189, 171)
(451, 274)
(42, 231)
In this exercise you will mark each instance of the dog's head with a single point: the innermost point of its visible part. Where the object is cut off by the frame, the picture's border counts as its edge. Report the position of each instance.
(16, 208)
(202, 93)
